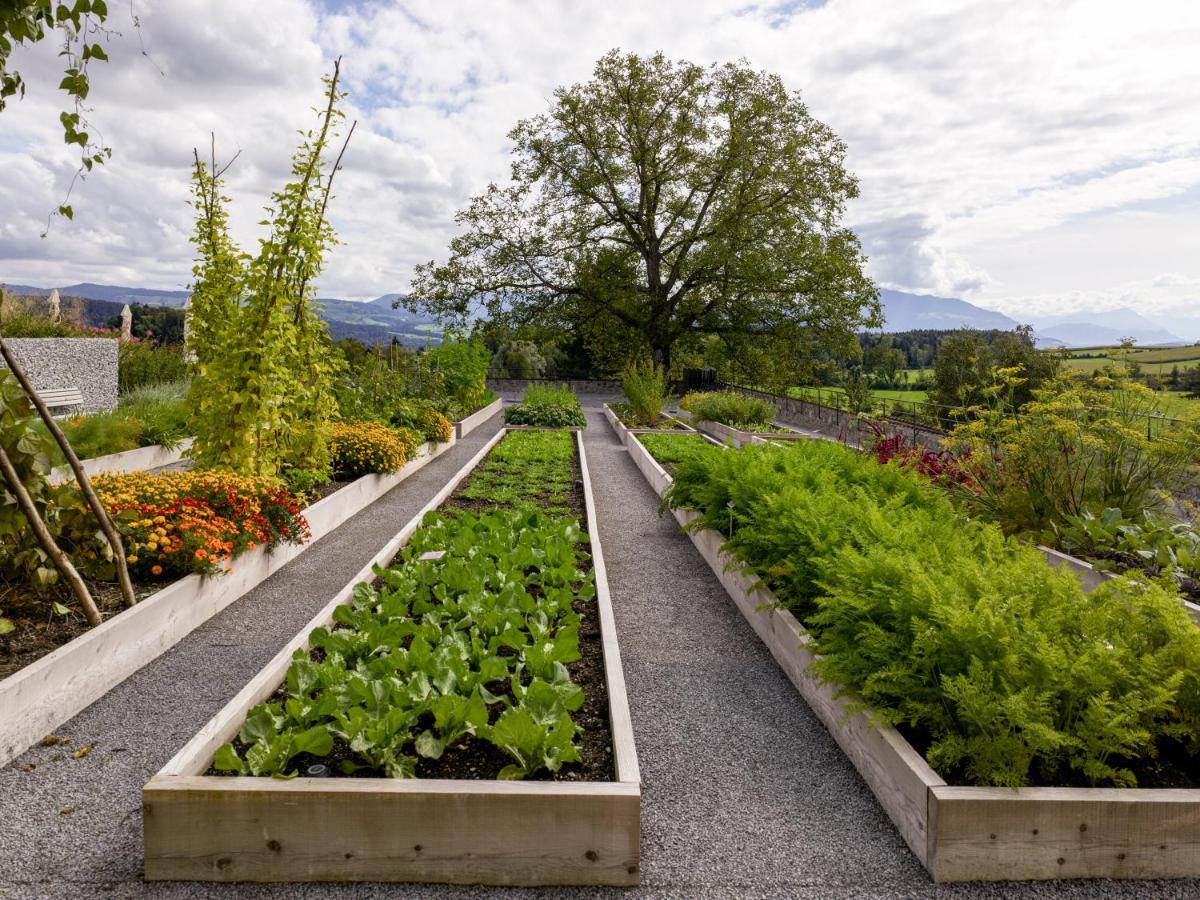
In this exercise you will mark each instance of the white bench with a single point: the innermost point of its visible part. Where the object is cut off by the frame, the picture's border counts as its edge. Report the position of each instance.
(61, 398)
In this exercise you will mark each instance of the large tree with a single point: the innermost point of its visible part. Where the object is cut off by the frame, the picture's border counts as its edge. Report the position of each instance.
(662, 201)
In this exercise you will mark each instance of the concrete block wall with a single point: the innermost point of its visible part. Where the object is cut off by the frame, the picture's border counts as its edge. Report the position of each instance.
(89, 364)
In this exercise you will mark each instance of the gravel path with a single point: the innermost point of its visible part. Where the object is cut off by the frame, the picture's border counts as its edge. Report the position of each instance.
(745, 793)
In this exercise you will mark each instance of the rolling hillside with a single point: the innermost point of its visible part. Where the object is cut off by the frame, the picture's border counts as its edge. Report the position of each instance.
(372, 322)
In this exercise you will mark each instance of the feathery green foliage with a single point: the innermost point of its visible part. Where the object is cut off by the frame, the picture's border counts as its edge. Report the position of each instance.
(1000, 666)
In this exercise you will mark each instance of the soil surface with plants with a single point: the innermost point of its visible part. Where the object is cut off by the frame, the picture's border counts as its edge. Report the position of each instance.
(44, 622)
(527, 470)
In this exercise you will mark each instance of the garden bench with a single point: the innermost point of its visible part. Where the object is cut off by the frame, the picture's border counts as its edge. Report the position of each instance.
(62, 398)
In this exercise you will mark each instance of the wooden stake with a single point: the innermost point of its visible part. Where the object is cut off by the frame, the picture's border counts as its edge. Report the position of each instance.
(85, 484)
(61, 562)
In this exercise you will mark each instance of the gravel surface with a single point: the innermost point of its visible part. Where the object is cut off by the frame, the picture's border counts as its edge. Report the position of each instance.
(745, 793)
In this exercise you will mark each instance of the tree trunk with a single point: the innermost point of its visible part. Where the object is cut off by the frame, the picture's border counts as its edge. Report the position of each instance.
(85, 485)
(60, 560)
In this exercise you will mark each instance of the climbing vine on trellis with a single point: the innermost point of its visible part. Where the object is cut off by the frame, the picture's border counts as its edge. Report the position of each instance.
(261, 392)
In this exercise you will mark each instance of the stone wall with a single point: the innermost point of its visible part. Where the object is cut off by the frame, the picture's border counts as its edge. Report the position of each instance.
(89, 364)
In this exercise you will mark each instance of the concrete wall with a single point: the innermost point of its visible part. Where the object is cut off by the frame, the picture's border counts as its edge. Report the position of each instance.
(89, 364)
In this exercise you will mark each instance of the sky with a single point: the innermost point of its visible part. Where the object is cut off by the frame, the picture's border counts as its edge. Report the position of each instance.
(1034, 157)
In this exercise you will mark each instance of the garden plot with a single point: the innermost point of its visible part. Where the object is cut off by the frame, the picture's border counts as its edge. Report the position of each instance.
(958, 831)
(568, 820)
(47, 692)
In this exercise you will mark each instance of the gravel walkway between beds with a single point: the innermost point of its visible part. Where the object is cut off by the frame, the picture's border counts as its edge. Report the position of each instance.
(745, 793)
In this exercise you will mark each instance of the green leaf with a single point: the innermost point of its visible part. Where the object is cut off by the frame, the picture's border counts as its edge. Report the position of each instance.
(429, 746)
(227, 760)
(6, 626)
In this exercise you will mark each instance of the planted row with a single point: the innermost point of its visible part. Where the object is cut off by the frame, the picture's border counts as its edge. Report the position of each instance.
(544, 406)
(472, 644)
(1000, 668)
(458, 655)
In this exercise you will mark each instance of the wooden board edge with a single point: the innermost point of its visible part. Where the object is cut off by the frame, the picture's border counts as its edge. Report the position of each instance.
(620, 719)
(1033, 834)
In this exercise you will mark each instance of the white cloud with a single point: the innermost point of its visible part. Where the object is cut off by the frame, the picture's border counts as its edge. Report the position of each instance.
(1020, 154)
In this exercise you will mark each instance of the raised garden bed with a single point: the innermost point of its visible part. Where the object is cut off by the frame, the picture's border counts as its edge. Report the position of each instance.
(738, 438)
(44, 694)
(552, 832)
(965, 833)
(468, 424)
(140, 460)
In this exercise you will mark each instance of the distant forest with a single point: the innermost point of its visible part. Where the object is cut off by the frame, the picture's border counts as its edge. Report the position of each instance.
(920, 347)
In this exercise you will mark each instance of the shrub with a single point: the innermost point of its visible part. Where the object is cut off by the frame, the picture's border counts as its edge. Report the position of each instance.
(1079, 445)
(142, 364)
(729, 408)
(644, 384)
(30, 448)
(421, 416)
(997, 665)
(461, 368)
(365, 448)
(547, 407)
(25, 325)
(175, 523)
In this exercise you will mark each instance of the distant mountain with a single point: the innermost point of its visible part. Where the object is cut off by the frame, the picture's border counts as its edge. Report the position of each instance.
(1105, 328)
(372, 322)
(911, 312)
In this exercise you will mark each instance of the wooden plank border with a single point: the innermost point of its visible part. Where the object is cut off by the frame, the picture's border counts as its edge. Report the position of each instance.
(466, 425)
(968, 833)
(53, 689)
(216, 828)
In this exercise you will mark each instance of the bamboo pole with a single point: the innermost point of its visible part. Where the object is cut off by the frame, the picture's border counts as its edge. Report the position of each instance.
(85, 484)
(60, 560)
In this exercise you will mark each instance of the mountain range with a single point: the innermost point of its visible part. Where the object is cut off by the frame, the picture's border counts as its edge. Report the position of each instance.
(376, 321)
(371, 321)
(907, 312)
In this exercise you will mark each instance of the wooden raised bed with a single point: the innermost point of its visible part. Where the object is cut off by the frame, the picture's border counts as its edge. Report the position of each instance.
(48, 692)
(217, 828)
(966, 833)
(139, 460)
(468, 424)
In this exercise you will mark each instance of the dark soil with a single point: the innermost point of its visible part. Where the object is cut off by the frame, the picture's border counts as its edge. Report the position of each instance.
(1173, 768)
(321, 491)
(478, 759)
(39, 630)
(1127, 562)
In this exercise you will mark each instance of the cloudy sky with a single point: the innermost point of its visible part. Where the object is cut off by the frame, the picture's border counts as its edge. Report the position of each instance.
(1035, 157)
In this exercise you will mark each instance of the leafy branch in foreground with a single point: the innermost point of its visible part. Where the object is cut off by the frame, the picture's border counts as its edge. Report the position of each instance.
(78, 24)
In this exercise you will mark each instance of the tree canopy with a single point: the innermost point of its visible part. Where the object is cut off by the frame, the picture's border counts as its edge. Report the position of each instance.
(664, 202)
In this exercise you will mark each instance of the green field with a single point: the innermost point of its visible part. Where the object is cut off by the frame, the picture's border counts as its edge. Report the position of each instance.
(802, 393)
(1157, 361)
